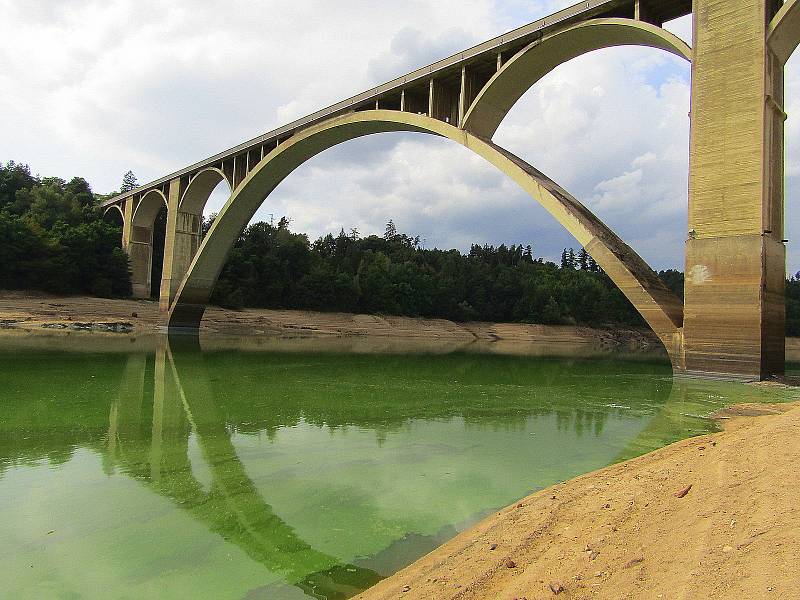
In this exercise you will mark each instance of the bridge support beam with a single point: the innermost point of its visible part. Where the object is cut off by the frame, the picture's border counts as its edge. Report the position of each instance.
(140, 251)
(735, 257)
(180, 245)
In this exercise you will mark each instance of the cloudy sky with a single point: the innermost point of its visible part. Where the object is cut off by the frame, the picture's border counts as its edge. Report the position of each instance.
(97, 87)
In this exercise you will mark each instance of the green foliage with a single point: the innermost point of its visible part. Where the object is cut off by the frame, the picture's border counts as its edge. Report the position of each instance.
(53, 237)
(271, 267)
(793, 306)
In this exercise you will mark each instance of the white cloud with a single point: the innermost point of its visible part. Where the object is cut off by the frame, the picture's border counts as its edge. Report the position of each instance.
(95, 88)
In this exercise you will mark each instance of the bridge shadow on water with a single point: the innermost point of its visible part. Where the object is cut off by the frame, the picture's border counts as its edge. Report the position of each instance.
(177, 422)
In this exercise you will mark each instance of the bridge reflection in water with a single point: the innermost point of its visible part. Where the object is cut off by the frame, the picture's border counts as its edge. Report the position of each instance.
(232, 507)
(290, 474)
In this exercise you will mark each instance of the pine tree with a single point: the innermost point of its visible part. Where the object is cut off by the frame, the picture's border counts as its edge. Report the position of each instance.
(564, 259)
(527, 256)
(583, 259)
(571, 258)
(129, 182)
(391, 231)
(354, 235)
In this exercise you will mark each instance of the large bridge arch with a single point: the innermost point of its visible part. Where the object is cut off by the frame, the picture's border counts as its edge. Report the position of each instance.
(539, 58)
(662, 311)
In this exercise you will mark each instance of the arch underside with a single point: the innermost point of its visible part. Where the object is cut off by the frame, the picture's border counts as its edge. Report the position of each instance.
(660, 308)
(199, 190)
(148, 208)
(784, 30)
(115, 207)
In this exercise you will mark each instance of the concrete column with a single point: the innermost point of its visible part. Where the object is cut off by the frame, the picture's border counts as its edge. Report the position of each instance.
(180, 245)
(127, 222)
(735, 258)
(140, 251)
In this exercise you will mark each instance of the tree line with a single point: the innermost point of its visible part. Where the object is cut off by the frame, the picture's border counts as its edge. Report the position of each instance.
(273, 267)
(53, 238)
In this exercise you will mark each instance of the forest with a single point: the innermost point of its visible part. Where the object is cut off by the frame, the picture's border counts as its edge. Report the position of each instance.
(53, 238)
(272, 267)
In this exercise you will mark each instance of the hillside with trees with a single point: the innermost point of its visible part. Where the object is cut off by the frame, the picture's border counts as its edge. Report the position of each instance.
(53, 238)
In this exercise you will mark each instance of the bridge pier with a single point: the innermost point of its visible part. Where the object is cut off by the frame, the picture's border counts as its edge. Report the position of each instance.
(180, 245)
(735, 257)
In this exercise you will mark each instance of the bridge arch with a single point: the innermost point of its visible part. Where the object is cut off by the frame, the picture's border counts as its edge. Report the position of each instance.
(107, 213)
(146, 211)
(199, 190)
(659, 307)
(140, 244)
(539, 58)
(784, 30)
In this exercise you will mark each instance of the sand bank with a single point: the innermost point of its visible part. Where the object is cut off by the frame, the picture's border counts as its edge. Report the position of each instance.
(716, 516)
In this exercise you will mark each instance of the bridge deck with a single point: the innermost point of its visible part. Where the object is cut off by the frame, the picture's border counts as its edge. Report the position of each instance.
(482, 60)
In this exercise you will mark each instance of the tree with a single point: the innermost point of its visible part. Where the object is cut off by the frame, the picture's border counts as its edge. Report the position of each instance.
(391, 231)
(527, 256)
(128, 182)
(564, 259)
(53, 237)
(583, 259)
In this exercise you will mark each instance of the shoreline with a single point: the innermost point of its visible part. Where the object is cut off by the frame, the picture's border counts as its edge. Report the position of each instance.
(637, 529)
(36, 314)
(47, 316)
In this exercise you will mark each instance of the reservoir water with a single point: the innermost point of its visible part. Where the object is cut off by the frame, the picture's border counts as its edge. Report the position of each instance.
(296, 471)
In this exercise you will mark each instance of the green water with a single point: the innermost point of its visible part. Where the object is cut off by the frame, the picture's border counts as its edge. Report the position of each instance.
(174, 473)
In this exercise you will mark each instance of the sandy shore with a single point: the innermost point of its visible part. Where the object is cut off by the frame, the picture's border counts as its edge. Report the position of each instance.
(30, 313)
(624, 532)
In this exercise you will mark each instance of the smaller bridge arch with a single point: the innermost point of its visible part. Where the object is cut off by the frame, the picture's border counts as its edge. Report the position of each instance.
(185, 224)
(147, 209)
(199, 190)
(114, 208)
(539, 58)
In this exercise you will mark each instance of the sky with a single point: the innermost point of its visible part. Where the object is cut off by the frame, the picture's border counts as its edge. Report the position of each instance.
(94, 88)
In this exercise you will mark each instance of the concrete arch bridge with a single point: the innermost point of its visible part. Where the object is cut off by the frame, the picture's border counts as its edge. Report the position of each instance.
(732, 319)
